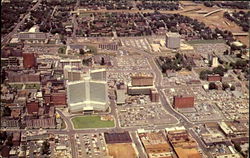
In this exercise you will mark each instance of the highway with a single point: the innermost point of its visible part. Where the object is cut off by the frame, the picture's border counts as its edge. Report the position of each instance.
(7, 38)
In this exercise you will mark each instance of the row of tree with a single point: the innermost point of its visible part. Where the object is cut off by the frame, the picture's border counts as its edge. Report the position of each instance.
(176, 63)
(240, 18)
(225, 86)
(218, 70)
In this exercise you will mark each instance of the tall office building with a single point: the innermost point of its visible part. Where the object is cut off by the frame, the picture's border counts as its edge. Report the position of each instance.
(172, 40)
(215, 62)
(88, 94)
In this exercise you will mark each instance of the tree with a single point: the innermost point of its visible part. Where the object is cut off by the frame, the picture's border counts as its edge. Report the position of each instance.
(225, 86)
(45, 147)
(61, 50)
(240, 64)
(232, 88)
(9, 141)
(6, 111)
(82, 51)
(204, 73)
(226, 52)
(3, 136)
(189, 67)
(219, 70)
(212, 85)
(102, 61)
(232, 64)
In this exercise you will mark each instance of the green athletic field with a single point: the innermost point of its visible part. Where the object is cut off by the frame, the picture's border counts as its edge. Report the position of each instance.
(80, 122)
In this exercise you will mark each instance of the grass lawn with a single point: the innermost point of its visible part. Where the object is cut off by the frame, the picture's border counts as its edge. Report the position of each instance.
(91, 122)
(32, 86)
(17, 86)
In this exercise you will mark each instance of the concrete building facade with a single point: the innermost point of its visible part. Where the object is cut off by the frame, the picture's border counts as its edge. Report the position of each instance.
(87, 95)
(172, 40)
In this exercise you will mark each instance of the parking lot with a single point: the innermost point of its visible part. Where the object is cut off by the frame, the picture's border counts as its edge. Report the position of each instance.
(91, 145)
(139, 43)
(142, 112)
(131, 63)
(61, 146)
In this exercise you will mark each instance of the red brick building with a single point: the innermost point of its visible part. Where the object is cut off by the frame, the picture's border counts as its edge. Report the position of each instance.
(154, 96)
(32, 107)
(16, 138)
(183, 102)
(56, 99)
(23, 77)
(29, 60)
(214, 78)
(142, 80)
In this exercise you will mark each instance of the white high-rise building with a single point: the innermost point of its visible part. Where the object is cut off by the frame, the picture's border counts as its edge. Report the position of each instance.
(173, 40)
(89, 94)
(215, 62)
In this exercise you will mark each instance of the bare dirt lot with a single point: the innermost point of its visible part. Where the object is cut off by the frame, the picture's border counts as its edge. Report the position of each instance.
(123, 150)
(215, 20)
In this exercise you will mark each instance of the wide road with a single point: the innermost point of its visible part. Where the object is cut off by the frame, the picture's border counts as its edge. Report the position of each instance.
(70, 132)
(14, 31)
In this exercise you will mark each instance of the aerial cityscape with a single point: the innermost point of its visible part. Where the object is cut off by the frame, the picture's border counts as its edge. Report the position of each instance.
(124, 79)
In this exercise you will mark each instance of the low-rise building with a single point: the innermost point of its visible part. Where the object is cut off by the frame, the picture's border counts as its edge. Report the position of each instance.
(183, 102)
(214, 78)
(155, 144)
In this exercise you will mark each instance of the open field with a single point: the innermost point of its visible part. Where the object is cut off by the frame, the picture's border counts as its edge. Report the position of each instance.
(90, 122)
(123, 150)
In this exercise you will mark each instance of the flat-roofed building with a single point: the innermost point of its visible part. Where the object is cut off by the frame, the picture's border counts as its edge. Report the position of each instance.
(183, 101)
(172, 40)
(155, 144)
(146, 90)
(142, 79)
(184, 145)
(112, 138)
(72, 62)
(154, 96)
(121, 93)
(33, 37)
(29, 60)
(32, 107)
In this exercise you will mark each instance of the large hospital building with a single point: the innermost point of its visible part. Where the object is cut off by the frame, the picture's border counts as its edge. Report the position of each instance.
(88, 94)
